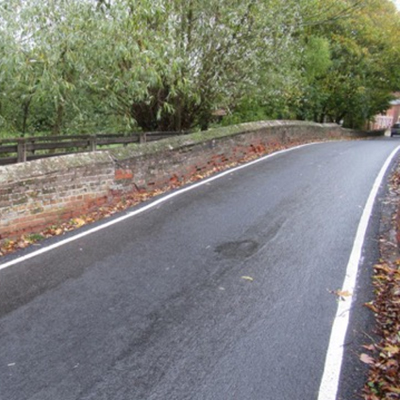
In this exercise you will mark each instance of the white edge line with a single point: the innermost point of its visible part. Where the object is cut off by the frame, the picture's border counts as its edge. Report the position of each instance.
(330, 379)
(143, 209)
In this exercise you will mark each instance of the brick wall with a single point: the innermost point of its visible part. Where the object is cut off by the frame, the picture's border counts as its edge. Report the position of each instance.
(39, 193)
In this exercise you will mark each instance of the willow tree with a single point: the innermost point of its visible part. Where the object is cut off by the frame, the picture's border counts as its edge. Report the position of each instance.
(169, 64)
(45, 62)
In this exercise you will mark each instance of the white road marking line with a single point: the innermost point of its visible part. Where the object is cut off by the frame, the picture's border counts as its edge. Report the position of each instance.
(333, 362)
(145, 208)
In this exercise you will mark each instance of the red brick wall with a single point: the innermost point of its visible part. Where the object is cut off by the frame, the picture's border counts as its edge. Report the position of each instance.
(39, 193)
(157, 169)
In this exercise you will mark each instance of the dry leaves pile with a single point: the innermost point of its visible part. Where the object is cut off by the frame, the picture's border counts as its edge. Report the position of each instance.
(384, 357)
(384, 375)
(8, 246)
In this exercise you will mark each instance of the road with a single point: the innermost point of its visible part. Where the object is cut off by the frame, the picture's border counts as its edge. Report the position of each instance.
(161, 306)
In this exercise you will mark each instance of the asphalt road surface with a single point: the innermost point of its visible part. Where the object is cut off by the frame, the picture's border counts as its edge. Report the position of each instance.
(160, 306)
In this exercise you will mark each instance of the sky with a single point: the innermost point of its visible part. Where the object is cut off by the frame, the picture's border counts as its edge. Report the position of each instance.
(397, 2)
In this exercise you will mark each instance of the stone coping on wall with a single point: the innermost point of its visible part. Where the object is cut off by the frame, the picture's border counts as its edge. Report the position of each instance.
(44, 166)
(213, 134)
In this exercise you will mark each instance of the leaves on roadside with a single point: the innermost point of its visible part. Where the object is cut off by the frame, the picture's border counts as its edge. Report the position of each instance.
(365, 358)
(385, 361)
(78, 222)
(392, 389)
(391, 350)
(341, 294)
(369, 347)
(384, 374)
(8, 246)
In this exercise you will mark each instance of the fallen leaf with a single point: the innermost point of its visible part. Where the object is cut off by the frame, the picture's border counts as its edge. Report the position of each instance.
(365, 358)
(344, 293)
(371, 306)
(394, 389)
(392, 349)
(369, 347)
(78, 222)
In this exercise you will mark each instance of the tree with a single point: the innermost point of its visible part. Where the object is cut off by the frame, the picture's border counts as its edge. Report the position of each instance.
(174, 62)
(121, 65)
(46, 45)
(363, 48)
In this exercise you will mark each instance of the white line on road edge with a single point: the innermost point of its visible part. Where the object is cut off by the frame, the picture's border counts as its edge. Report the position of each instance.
(333, 362)
(143, 209)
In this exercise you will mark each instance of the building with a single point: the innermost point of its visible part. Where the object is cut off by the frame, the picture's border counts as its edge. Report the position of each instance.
(392, 115)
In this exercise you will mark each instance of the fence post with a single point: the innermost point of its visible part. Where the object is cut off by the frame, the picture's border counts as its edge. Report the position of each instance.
(142, 137)
(32, 142)
(21, 150)
(93, 142)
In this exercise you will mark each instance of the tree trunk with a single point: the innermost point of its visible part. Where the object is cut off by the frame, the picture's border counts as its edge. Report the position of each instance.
(204, 120)
(25, 115)
(59, 119)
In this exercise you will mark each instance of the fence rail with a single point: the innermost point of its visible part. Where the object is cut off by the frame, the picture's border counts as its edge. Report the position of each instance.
(16, 150)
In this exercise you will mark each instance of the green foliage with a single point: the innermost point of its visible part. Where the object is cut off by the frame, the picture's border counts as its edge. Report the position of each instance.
(116, 66)
(317, 58)
(358, 75)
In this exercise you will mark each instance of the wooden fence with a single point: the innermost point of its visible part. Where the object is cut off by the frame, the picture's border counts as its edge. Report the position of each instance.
(15, 150)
